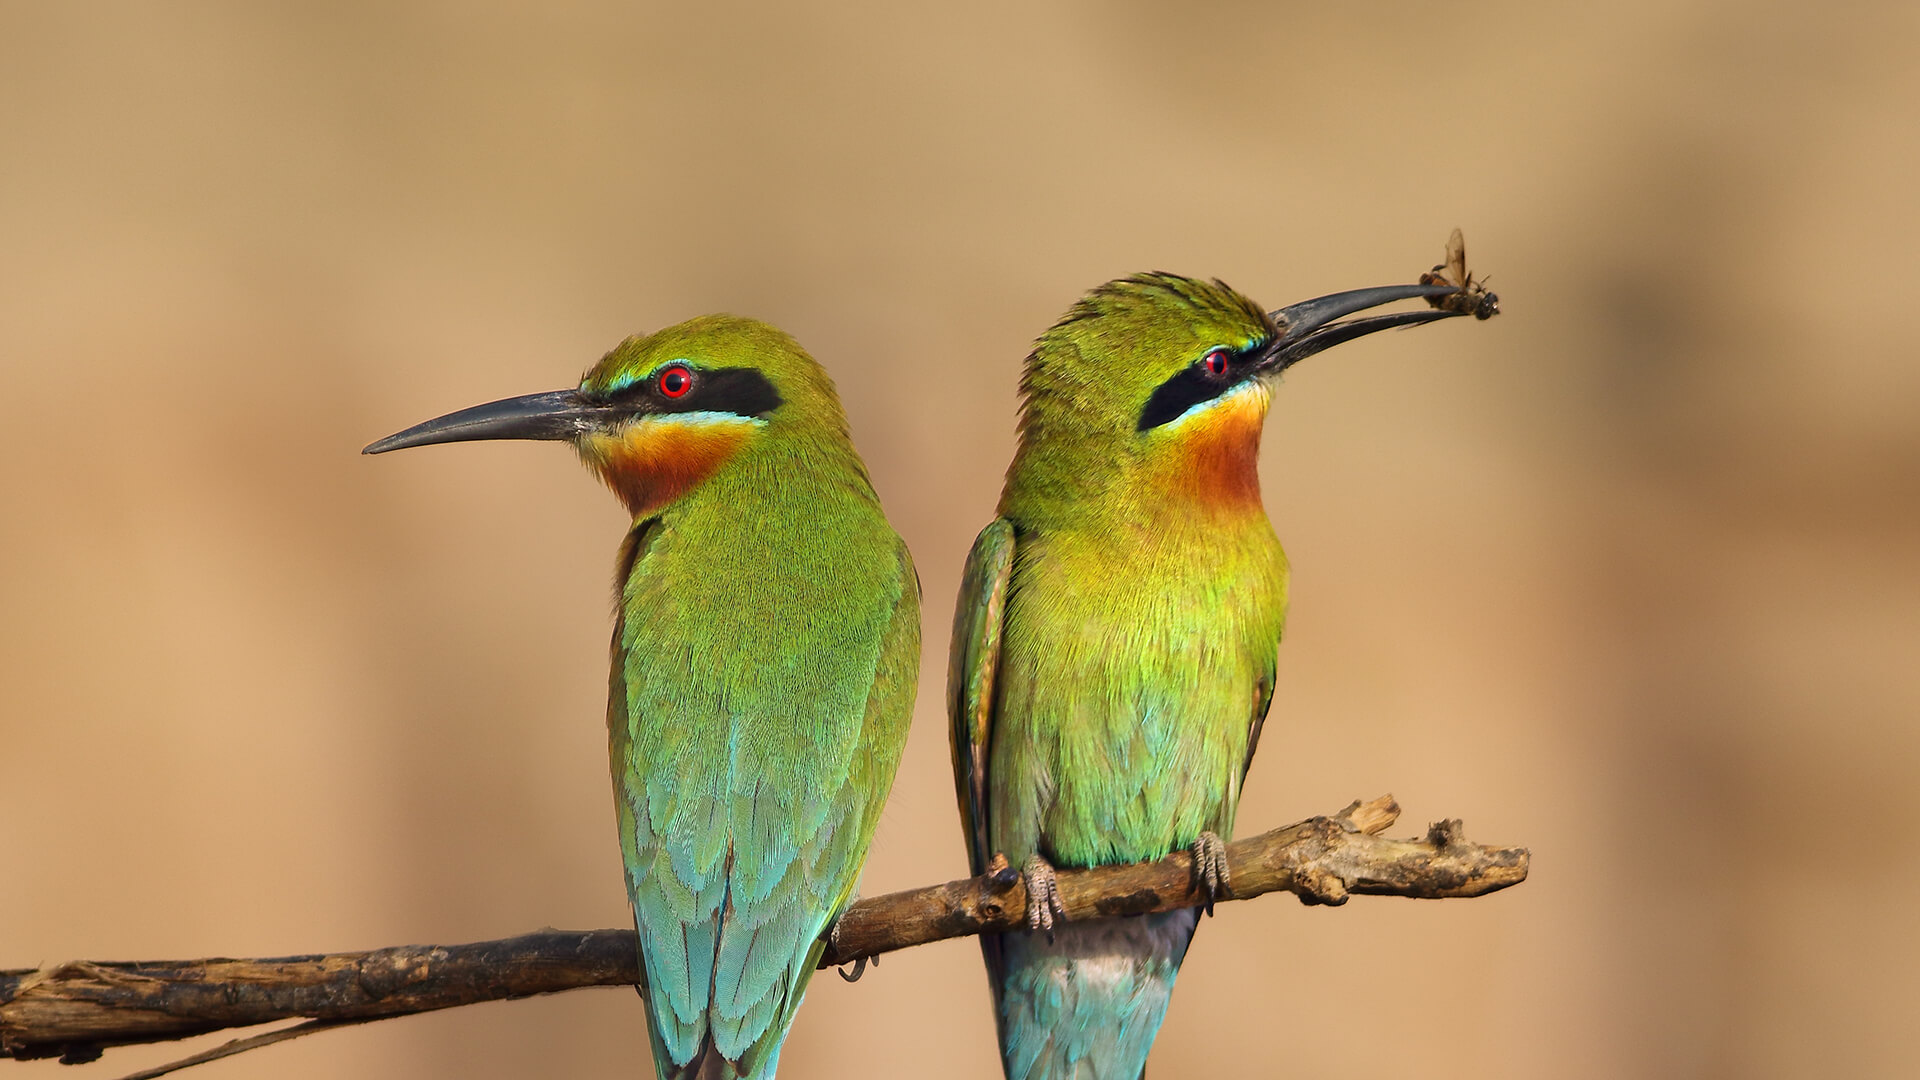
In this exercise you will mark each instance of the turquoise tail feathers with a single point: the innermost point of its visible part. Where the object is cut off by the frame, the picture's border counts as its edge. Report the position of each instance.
(1087, 1006)
(721, 993)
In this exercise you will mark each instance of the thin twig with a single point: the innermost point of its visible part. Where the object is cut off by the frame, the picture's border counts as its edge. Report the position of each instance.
(240, 1046)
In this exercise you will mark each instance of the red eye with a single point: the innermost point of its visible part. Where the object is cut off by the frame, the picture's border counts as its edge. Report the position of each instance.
(675, 382)
(1215, 362)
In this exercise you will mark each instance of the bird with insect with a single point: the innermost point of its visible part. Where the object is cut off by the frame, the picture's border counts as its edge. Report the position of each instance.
(1115, 637)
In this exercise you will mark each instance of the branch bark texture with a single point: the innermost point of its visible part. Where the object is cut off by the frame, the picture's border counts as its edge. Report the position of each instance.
(75, 1010)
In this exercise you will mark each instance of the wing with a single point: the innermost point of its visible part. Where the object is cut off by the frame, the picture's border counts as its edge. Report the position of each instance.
(972, 664)
(747, 793)
(1457, 258)
(1262, 700)
(889, 712)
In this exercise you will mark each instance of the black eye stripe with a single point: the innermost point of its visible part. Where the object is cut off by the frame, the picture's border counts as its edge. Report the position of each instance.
(1192, 385)
(741, 391)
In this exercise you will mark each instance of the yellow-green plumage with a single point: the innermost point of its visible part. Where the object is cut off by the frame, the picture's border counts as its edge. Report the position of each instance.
(1116, 634)
(1143, 598)
(765, 661)
(765, 655)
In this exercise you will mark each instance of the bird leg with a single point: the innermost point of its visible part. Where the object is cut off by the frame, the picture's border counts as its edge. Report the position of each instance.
(1043, 895)
(1210, 873)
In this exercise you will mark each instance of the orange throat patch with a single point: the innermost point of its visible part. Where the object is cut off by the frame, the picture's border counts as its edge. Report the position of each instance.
(652, 462)
(1214, 456)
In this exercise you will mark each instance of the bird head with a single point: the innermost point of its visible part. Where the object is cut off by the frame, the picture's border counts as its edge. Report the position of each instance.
(662, 413)
(1168, 377)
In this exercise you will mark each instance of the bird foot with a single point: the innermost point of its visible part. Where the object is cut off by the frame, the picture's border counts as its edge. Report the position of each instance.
(859, 966)
(1043, 896)
(1210, 874)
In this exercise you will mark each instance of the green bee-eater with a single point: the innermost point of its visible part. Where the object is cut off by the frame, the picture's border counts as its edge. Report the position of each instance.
(765, 652)
(1114, 644)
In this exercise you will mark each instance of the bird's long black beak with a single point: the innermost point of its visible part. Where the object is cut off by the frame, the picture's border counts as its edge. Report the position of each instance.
(1309, 326)
(558, 415)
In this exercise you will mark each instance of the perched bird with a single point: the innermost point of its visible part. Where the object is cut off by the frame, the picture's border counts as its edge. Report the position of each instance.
(766, 648)
(1114, 642)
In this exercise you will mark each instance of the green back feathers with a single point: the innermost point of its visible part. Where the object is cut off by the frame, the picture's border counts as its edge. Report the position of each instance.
(763, 677)
(765, 654)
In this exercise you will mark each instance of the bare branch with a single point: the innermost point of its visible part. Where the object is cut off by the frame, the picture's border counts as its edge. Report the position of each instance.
(76, 1010)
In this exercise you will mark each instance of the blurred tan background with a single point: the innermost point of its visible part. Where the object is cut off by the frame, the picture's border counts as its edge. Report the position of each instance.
(1628, 575)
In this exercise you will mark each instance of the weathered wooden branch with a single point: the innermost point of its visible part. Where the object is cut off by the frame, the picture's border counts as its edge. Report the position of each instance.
(75, 1010)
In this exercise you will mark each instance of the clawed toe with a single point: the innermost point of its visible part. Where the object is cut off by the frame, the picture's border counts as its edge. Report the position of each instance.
(859, 966)
(1043, 896)
(1210, 874)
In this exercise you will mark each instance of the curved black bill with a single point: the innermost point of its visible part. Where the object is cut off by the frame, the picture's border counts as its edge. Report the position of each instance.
(557, 415)
(1309, 326)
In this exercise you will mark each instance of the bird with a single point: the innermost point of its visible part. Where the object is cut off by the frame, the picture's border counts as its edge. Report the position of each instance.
(1115, 640)
(765, 657)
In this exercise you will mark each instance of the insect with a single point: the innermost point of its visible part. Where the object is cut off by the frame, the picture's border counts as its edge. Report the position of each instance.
(1472, 297)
